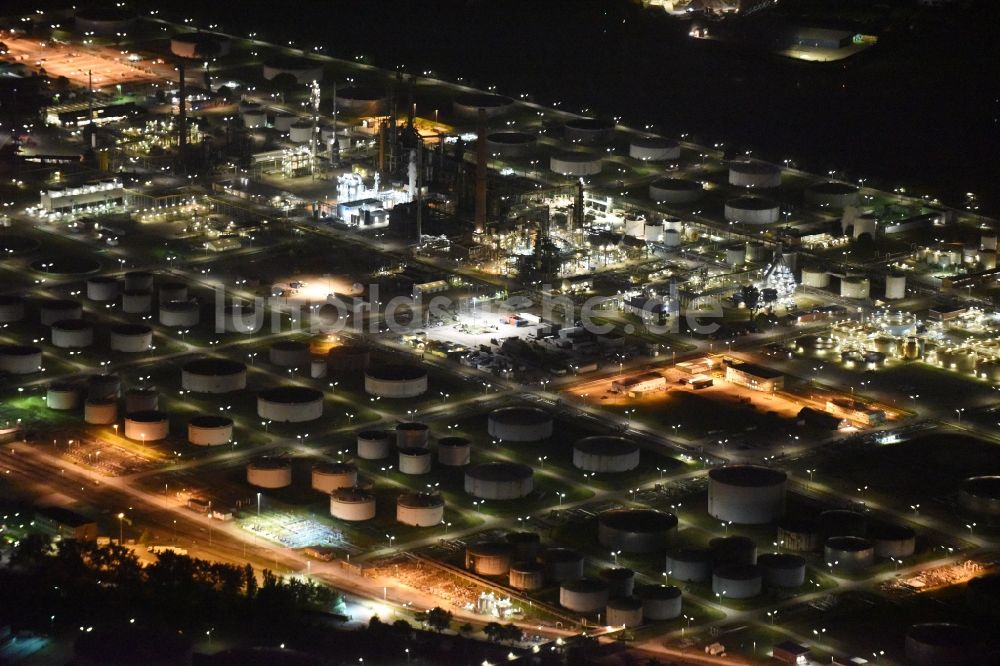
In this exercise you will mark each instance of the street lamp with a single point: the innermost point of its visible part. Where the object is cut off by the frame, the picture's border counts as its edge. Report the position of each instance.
(121, 529)
(772, 614)
(562, 496)
(970, 526)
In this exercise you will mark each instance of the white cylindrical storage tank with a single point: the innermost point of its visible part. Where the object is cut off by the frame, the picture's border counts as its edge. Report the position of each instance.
(141, 400)
(653, 149)
(746, 494)
(63, 396)
(691, 565)
(864, 224)
(636, 530)
(499, 480)
(20, 359)
(736, 255)
(890, 540)
(360, 101)
(583, 595)
(620, 581)
(562, 564)
(100, 411)
(304, 70)
(468, 105)
(454, 451)
(11, 309)
(289, 353)
(148, 426)
(980, 495)
(301, 131)
(752, 210)
(509, 144)
(817, 278)
(102, 288)
(958, 359)
(412, 435)
(269, 473)
(51, 311)
(624, 612)
(254, 118)
(575, 164)
(798, 535)
(420, 509)
(660, 602)
(374, 444)
(172, 291)
(895, 286)
(588, 130)
(737, 581)
(284, 121)
(348, 357)
(103, 20)
(72, 334)
(291, 404)
(734, 549)
(396, 381)
(526, 576)
(782, 569)
(131, 338)
(200, 45)
(100, 387)
(329, 476)
(854, 286)
(519, 424)
(317, 368)
(414, 460)
(353, 504)
(652, 232)
(210, 430)
(675, 191)
(988, 242)
(833, 195)
(671, 238)
(213, 375)
(848, 553)
(137, 301)
(180, 314)
(605, 454)
(140, 280)
(944, 644)
(756, 251)
(488, 558)
(755, 174)
(245, 106)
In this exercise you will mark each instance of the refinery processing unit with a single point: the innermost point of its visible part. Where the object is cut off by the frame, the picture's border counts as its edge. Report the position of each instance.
(443, 350)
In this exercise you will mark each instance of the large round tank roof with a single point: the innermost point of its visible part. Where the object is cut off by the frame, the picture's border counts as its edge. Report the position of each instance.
(584, 585)
(780, 561)
(147, 416)
(750, 476)
(131, 329)
(210, 421)
(890, 531)
(590, 124)
(266, 462)
(19, 350)
(653, 142)
(605, 445)
(625, 603)
(396, 372)
(561, 555)
(676, 185)
(290, 345)
(510, 138)
(638, 520)
(449, 442)
(489, 548)
(291, 63)
(352, 495)
(291, 394)
(848, 544)
(483, 100)
(499, 471)
(329, 467)
(738, 571)
(752, 203)
(657, 592)
(983, 486)
(420, 500)
(833, 187)
(214, 366)
(943, 634)
(576, 156)
(520, 415)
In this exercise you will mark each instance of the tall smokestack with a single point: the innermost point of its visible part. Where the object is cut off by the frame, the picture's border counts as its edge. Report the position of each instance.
(481, 157)
(182, 137)
(577, 221)
(420, 187)
(90, 109)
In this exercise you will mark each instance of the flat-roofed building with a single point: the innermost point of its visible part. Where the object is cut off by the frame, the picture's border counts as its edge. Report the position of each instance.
(103, 193)
(66, 524)
(644, 383)
(755, 377)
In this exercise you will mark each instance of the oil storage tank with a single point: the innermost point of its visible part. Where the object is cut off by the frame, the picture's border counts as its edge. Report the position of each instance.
(832, 194)
(414, 460)
(137, 301)
(855, 286)
(980, 495)
(374, 444)
(72, 334)
(352, 504)
(52, 310)
(527, 575)
(329, 476)
(588, 130)
(180, 314)
(605, 454)
(525, 545)
(348, 357)
(848, 553)
(454, 451)
(412, 434)
(102, 288)
(509, 144)
(172, 291)
(519, 424)
(63, 396)
(488, 558)
(943, 644)
(420, 509)
(468, 105)
(289, 353)
(499, 480)
(141, 400)
(11, 309)
(754, 174)
(624, 612)
(583, 595)
(100, 411)
(817, 278)
(269, 473)
(620, 581)
(892, 540)
(575, 164)
(691, 565)
(798, 534)
(737, 581)
(292, 404)
(636, 530)
(752, 210)
(20, 359)
(147, 426)
(104, 387)
(139, 280)
(396, 381)
(746, 494)
(213, 375)
(660, 602)
(131, 338)
(653, 149)
(782, 569)
(562, 564)
(733, 550)
(360, 100)
(210, 430)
